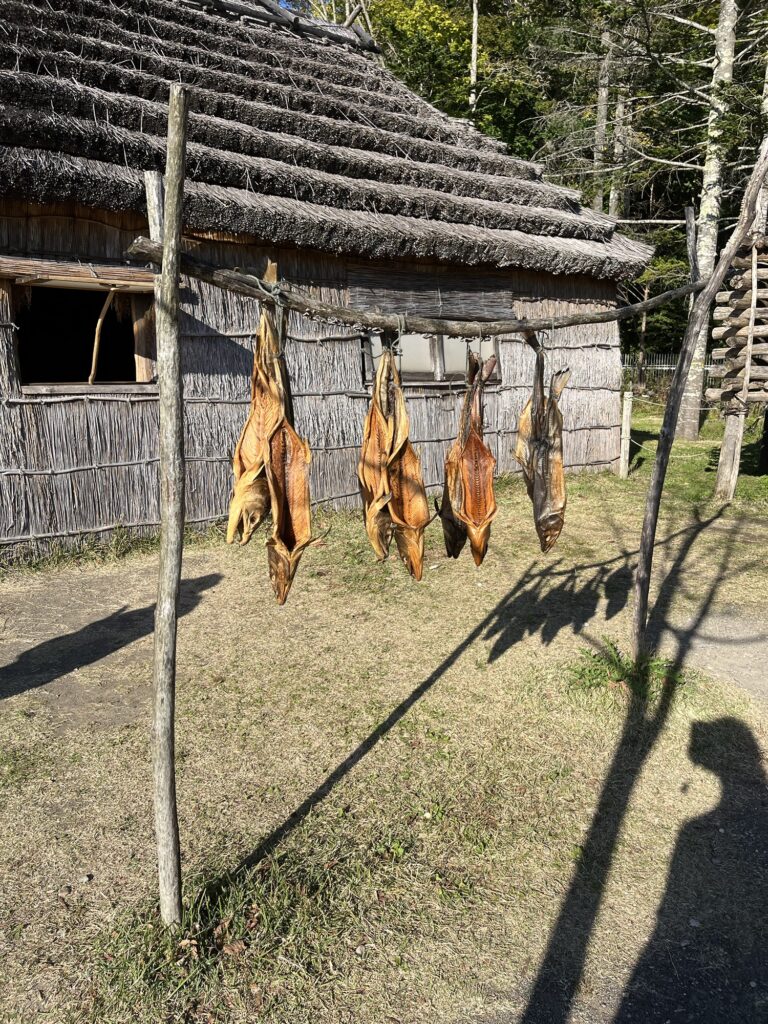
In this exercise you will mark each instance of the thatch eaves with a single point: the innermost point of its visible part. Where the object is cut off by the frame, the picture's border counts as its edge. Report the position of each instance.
(297, 136)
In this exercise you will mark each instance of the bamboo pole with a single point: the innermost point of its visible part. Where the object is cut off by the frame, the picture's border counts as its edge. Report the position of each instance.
(171, 515)
(696, 323)
(248, 284)
(97, 336)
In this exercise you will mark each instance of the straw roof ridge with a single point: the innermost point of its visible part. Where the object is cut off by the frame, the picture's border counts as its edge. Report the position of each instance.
(365, 91)
(43, 176)
(316, 127)
(68, 98)
(107, 142)
(301, 97)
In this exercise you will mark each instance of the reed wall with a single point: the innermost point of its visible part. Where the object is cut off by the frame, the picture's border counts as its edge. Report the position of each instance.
(79, 464)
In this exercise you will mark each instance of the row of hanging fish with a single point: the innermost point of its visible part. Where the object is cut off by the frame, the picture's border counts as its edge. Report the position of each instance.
(271, 466)
(271, 463)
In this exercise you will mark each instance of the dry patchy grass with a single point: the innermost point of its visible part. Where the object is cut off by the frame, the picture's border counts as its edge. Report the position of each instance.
(385, 788)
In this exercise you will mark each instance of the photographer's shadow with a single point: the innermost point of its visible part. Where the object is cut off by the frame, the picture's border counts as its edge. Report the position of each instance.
(707, 960)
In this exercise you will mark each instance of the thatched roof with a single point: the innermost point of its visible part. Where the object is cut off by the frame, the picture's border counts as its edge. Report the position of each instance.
(297, 135)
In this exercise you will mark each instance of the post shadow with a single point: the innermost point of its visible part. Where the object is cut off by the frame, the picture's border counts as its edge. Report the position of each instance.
(54, 658)
(706, 959)
(556, 984)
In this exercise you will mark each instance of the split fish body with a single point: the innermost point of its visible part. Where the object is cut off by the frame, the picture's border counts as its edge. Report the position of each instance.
(540, 454)
(271, 463)
(288, 477)
(468, 505)
(390, 474)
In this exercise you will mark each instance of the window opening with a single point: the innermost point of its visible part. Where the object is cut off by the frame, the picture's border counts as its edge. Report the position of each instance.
(57, 331)
(418, 358)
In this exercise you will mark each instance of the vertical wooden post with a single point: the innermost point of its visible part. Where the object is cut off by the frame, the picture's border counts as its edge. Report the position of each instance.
(697, 321)
(171, 515)
(626, 432)
(473, 61)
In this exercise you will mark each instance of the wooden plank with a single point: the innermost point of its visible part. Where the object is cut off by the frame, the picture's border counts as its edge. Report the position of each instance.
(144, 352)
(737, 316)
(754, 395)
(744, 280)
(73, 274)
(737, 372)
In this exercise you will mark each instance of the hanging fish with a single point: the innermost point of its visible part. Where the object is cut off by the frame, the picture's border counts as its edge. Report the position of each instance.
(540, 453)
(390, 473)
(250, 499)
(287, 472)
(372, 468)
(468, 504)
(271, 462)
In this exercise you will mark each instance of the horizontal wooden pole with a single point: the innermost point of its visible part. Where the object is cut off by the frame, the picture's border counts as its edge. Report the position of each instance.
(738, 317)
(745, 280)
(735, 351)
(739, 298)
(248, 284)
(737, 372)
(736, 331)
(726, 395)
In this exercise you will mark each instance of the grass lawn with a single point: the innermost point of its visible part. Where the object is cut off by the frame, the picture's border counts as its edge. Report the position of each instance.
(399, 802)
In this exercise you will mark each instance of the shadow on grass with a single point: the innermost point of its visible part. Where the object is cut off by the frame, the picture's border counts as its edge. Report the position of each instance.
(637, 453)
(553, 992)
(545, 600)
(54, 658)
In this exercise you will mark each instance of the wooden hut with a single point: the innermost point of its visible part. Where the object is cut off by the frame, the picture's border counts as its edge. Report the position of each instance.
(305, 149)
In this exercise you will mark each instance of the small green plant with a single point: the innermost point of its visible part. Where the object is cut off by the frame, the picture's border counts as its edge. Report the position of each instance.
(609, 669)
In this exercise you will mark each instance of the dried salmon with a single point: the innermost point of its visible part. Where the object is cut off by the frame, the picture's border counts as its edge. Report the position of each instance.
(288, 480)
(468, 504)
(540, 453)
(271, 462)
(250, 500)
(390, 473)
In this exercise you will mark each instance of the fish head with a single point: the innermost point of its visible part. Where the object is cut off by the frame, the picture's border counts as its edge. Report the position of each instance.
(282, 569)
(478, 542)
(548, 491)
(410, 546)
(248, 507)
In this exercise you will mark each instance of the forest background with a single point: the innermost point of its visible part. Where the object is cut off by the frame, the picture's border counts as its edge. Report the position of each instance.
(646, 107)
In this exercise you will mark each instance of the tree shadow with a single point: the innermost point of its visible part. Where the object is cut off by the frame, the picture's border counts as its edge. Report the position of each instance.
(706, 959)
(526, 609)
(555, 987)
(54, 658)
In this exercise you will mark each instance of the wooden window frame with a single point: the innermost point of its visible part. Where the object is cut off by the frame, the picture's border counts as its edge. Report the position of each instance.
(138, 284)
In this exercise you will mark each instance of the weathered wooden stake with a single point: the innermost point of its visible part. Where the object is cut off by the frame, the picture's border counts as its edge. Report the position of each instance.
(696, 322)
(171, 514)
(626, 432)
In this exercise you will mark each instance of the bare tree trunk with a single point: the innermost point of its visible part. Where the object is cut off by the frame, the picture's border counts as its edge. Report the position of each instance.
(698, 317)
(709, 206)
(601, 119)
(473, 60)
(171, 516)
(616, 195)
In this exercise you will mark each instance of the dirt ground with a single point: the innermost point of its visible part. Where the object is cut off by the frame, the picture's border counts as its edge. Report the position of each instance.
(494, 839)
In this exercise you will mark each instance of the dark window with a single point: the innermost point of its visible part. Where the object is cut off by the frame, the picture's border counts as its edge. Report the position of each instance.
(57, 329)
